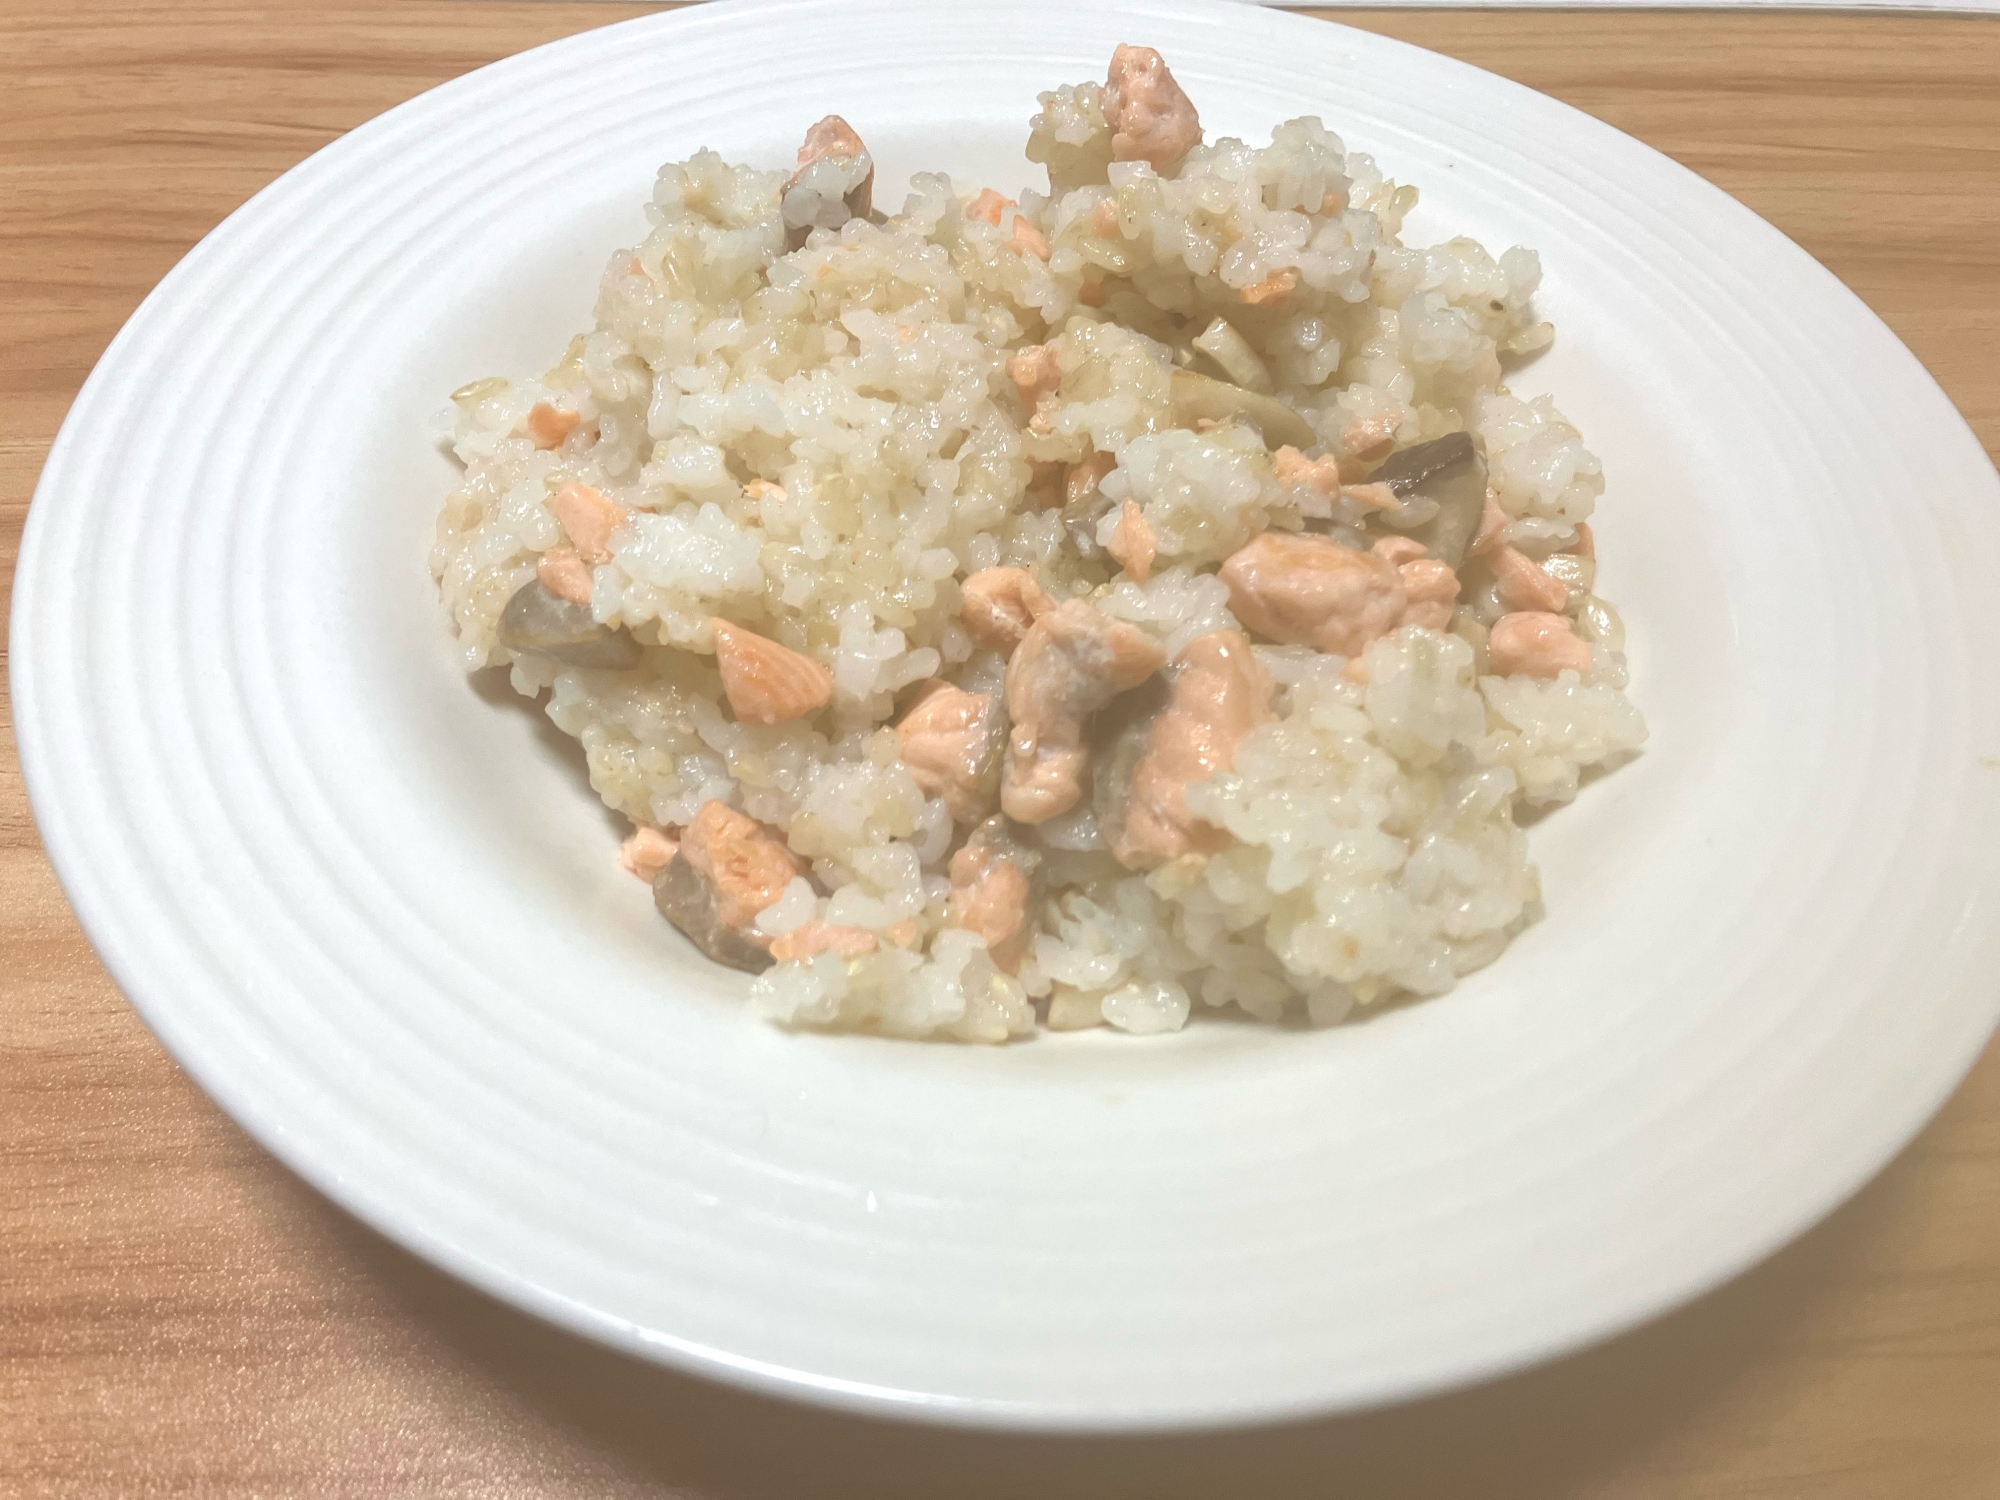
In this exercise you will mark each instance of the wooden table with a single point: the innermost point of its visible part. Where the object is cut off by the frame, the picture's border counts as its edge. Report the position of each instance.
(177, 1313)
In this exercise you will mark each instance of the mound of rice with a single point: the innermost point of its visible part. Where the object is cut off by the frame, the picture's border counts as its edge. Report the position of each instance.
(821, 443)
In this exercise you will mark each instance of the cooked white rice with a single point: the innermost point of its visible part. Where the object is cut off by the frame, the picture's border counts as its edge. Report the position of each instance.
(1372, 851)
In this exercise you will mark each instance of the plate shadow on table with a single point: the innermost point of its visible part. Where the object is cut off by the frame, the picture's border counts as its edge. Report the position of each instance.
(1546, 1432)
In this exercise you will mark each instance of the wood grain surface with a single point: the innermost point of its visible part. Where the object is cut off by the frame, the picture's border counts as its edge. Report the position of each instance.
(179, 1315)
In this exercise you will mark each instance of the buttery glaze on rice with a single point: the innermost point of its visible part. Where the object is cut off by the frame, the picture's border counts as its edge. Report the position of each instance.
(1063, 612)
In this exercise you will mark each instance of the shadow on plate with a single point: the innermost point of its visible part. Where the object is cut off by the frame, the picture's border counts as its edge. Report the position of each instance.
(491, 686)
(1543, 1433)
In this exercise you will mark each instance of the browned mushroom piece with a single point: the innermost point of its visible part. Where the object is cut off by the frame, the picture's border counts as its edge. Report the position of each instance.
(1081, 512)
(729, 867)
(535, 620)
(1235, 356)
(1449, 472)
(687, 898)
(1072, 662)
(1084, 500)
(1197, 396)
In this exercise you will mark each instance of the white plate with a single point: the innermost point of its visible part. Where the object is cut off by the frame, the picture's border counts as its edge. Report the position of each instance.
(376, 913)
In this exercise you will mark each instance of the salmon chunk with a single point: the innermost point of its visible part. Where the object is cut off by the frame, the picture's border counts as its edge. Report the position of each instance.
(1276, 287)
(988, 206)
(1034, 371)
(1321, 475)
(1534, 643)
(549, 424)
(646, 853)
(992, 890)
(951, 742)
(1132, 544)
(563, 573)
(1523, 585)
(1218, 693)
(728, 868)
(748, 865)
(1311, 591)
(587, 517)
(815, 938)
(1397, 550)
(1431, 591)
(999, 604)
(1072, 662)
(1151, 119)
(1492, 520)
(834, 137)
(767, 683)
